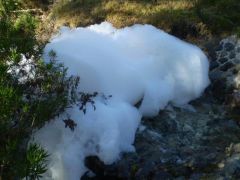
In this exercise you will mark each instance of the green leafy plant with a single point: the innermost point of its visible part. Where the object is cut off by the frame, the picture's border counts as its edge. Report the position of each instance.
(28, 98)
(36, 158)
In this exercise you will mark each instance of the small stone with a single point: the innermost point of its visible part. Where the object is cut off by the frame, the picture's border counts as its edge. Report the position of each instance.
(229, 46)
(237, 81)
(226, 66)
(223, 60)
(213, 65)
(221, 165)
(232, 55)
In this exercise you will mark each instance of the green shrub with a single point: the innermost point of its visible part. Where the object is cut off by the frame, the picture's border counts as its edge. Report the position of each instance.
(18, 31)
(26, 103)
(27, 106)
(35, 162)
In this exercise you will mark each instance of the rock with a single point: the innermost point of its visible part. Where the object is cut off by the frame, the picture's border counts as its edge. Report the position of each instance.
(216, 75)
(232, 167)
(146, 171)
(237, 80)
(236, 148)
(219, 89)
(196, 176)
(236, 173)
(219, 47)
(225, 77)
(228, 46)
(102, 171)
(213, 65)
(211, 47)
(168, 126)
(238, 49)
(223, 54)
(232, 55)
(160, 174)
(212, 56)
(226, 66)
(223, 60)
(95, 165)
(234, 101)
(190, 146)
(234, 71)
(236, 60)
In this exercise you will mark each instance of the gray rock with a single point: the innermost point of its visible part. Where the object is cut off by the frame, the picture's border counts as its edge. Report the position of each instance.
(219, 47)
(223, 60)
(182, 153)
(228, 46)
(232, 55)
(213, 65)
(226, 66)
(160, 174)
(236, 148)
(223, 54)
(236, 60)
(216, 75)
(238, 49)
(196, 176)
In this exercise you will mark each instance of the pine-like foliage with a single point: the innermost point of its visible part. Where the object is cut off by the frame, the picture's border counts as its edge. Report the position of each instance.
(28, 98)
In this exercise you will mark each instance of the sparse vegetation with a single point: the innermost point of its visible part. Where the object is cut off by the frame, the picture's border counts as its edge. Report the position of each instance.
(201, 18)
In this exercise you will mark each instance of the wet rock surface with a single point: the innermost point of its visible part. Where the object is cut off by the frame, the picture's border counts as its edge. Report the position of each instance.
(224, 59)
(225, 74)
(199, 141)
(182, 144)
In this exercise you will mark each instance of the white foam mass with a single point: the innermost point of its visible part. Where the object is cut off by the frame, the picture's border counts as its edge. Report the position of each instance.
(131, 64)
